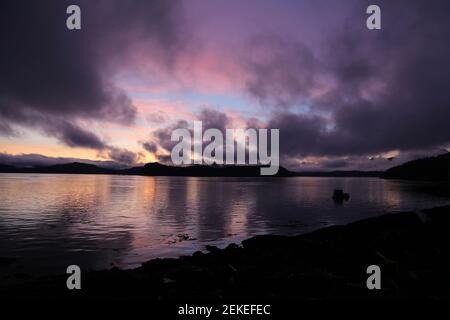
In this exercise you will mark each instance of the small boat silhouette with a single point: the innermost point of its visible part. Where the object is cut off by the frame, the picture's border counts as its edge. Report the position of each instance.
(340, 195)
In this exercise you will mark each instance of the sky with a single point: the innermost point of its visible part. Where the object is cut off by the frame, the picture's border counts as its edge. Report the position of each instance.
(343, 97)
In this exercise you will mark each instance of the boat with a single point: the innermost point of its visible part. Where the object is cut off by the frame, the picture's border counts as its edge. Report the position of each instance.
(340, 195)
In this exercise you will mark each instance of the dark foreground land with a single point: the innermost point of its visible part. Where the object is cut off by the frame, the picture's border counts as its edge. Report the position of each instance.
(412, 250)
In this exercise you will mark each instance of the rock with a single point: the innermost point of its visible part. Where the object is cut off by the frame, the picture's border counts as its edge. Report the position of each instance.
(6, 262)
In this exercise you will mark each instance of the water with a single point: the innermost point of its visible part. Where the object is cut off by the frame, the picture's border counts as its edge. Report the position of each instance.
(96, 221)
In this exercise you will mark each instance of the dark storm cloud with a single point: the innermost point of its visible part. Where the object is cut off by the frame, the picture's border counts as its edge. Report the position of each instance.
(385, 89)
(74, 136)
(163, 135)
(50, 73)
(299, 134)
(150, 146)
(335, 164)
(124, 156)
(282, 72)
(210, 118)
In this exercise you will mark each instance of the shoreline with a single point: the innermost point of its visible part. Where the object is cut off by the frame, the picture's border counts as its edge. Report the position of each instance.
(412, 250)
(157, 169)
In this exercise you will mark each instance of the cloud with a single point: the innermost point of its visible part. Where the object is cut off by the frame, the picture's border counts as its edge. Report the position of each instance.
(52, 75)
(343, 93)
(209, 117)
(6, 129)
(157, 118)
(300, 135)
(335, 164)
(366, 92)
(74, 136)
(163, 136)
(124, 156)
(150, 146)
(281, 73)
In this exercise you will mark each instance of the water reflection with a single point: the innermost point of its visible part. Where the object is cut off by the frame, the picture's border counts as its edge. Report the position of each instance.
(96, 221)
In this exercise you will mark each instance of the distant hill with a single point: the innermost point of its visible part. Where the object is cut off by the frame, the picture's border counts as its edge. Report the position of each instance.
(7, 169)
(75, 167)
(427, 169)
(351, 173)
(433, 169)
(158, 169)
(150, 169)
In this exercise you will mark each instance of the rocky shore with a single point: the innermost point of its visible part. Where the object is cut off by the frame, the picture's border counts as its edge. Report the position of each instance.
(412, 249)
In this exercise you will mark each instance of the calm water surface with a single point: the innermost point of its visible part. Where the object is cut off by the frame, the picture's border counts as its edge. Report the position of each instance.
(96, 221)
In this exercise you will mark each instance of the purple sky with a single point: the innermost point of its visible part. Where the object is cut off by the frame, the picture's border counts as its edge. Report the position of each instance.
(343, 97)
